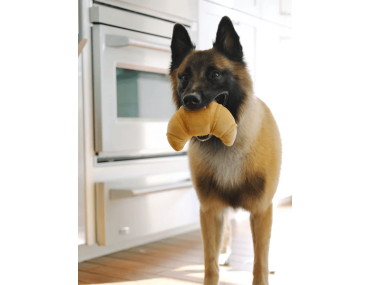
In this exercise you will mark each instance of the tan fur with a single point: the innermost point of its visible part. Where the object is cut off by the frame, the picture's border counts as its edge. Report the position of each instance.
(255, 153)
(211, 220)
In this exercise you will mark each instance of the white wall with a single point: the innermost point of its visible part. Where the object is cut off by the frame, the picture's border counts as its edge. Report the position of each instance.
(331, 116)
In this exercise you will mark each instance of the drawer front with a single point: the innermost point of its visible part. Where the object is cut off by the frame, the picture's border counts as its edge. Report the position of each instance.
(179, 11)
(120, 219)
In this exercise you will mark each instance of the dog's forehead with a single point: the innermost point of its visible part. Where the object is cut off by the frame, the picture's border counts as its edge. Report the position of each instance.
(200, 60)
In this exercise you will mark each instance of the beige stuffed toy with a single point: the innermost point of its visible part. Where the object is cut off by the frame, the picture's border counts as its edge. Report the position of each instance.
(215, 119)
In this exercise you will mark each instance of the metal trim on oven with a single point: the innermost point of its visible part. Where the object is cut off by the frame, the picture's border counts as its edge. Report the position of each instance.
(172, 11)
(131, 21)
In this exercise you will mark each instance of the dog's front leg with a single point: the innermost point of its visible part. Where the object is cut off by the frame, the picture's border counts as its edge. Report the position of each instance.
(261, 231)
(225, 253)
(211, 219)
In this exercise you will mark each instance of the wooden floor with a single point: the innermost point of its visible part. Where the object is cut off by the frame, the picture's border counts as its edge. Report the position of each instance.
(179, 260)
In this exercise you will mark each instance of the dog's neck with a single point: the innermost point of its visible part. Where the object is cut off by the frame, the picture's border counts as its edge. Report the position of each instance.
(248, 129)
(250, 123)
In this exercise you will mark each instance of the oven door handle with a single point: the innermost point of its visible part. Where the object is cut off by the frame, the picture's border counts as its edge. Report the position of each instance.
(122, 41)
(115, 194)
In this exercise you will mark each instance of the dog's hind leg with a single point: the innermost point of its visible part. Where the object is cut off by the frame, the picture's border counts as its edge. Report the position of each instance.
(261, 231)
(225, 253)
(211, 219)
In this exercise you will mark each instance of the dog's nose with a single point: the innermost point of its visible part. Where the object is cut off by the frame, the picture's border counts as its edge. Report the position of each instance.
(192, 101)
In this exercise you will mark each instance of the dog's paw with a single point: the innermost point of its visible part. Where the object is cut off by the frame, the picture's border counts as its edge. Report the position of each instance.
(224, 258)
(261, 280)
(211, 279)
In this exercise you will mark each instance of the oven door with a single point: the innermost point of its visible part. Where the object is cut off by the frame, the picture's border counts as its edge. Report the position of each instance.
(132, 94)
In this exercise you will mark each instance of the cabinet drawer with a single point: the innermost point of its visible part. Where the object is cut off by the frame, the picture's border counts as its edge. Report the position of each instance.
(183, 11)
(251, 7)
(277, 11)
(144, 206)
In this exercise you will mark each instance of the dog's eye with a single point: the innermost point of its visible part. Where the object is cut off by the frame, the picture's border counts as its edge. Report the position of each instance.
(215, 74)
(185, 77)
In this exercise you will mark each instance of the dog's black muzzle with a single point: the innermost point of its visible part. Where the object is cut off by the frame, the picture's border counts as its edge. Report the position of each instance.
(197, 101)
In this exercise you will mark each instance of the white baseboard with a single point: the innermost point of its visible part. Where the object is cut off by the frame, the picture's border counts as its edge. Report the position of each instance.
(284, 201)
(86, 252)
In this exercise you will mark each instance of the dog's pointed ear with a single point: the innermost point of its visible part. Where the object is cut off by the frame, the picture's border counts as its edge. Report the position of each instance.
(227, 41)
(181, 45)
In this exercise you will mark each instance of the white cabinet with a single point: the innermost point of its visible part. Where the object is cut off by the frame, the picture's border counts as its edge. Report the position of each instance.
(251, 7)
(184, 11)
(277, 11)
(273, 59)
(137, 208)
(81, 160)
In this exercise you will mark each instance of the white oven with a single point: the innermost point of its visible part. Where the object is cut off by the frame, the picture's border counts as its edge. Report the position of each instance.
(132, 91)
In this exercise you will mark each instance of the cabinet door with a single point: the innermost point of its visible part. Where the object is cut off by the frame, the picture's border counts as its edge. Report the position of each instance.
(247, 34)
(226, 3)
(251, 7)
(137, 208)
(185, 9)
(81, 159)
(277, 11)
(274, 61)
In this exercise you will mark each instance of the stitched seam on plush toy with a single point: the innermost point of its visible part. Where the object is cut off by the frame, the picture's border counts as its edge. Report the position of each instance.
(174, 137)
(216, 116)
(227, 132)
(182, 125)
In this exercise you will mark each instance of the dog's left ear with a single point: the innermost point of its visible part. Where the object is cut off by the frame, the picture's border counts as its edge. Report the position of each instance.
(181, 45)
(227, 40)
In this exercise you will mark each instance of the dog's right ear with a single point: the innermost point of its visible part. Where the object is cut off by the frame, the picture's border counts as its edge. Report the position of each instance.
(181, 45)
(227, 40)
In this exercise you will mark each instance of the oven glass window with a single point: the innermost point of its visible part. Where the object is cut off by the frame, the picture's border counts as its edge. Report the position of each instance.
(144, 95)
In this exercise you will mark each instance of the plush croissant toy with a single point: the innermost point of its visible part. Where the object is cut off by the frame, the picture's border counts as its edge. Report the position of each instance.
(215, 119)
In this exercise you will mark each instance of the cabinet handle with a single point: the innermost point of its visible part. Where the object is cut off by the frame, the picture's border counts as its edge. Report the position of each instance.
(127, 193)
(122, 41)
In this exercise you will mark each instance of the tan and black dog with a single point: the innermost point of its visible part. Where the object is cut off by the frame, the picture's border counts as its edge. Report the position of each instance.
(244, 175)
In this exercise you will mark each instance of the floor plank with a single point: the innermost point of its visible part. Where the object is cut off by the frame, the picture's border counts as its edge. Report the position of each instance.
(121, 273)
(87, 265)
(151, 260)
(127, 264)
(94, 278)
(178, 256)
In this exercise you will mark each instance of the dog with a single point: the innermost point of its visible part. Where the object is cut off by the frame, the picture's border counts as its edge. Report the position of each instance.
(245, 175)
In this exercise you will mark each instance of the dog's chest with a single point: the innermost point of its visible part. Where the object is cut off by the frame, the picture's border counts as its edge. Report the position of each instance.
(226, 166)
